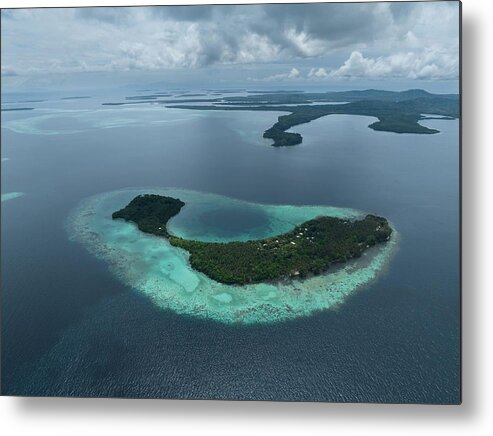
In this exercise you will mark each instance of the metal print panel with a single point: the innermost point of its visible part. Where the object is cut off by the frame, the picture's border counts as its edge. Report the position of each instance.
(237, 202)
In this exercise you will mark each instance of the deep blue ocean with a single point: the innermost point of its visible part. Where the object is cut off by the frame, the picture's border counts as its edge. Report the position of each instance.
(70, 328)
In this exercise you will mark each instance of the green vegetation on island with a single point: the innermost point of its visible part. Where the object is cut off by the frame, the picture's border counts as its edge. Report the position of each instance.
(309, 249)
(76, 97)
(150, 212)
(398, 112)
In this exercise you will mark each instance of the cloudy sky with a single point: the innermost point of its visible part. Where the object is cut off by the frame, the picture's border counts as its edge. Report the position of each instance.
(325, 45)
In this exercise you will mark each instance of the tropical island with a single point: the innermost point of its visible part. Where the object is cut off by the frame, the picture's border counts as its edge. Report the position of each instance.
(397, 112)
(311, 248)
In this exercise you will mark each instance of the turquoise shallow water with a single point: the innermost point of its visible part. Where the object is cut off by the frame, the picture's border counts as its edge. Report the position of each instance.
(11, 195)
(162, 272)
(69, 121)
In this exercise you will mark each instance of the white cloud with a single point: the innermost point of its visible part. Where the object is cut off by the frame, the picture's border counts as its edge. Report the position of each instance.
(318, 73)
(429, 64)
(422, 37)
(291, 75)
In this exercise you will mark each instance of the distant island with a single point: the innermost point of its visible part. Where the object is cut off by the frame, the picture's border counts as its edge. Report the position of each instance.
(17, 109)
(75, 97)
(398, 112)
(309, 249)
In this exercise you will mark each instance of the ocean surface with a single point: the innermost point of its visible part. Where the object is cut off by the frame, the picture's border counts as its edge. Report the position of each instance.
(71, 327)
